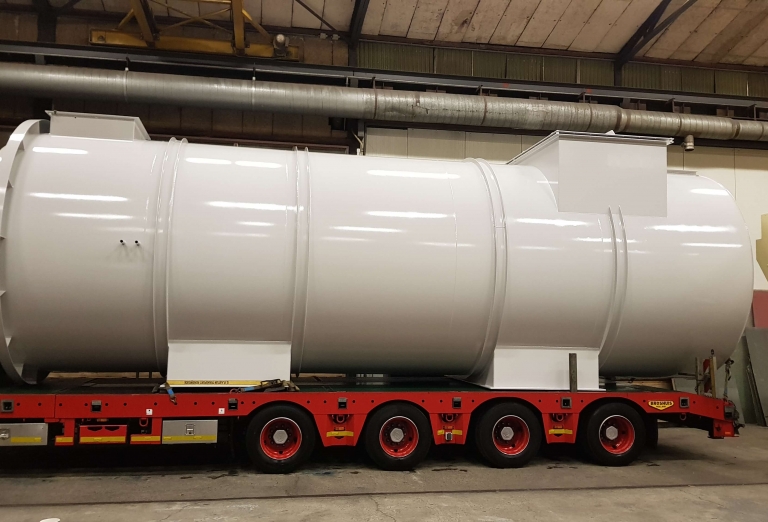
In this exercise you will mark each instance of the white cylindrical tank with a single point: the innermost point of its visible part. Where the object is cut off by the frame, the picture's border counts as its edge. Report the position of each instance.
(115, 247)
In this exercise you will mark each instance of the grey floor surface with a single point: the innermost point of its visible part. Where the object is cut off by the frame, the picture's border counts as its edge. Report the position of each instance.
(688, 477)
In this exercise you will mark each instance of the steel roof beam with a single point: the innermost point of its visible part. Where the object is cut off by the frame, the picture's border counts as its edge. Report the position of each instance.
(313, 13)
(649, 30)
(46, 21)
(358, 17)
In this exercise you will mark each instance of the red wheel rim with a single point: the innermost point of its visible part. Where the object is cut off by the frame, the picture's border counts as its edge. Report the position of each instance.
(280, 438)
(399, 437)
(617, 435)
(511, 435)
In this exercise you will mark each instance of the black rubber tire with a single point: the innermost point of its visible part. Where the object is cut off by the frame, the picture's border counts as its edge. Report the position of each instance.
(651, 432)
(483, 435)
(264, 462)
(591, 434)
(373, 445)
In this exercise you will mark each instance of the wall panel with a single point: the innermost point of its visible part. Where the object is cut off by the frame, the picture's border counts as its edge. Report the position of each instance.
(529, 141)
(494, 148)
(714, 163)
(675, 158)
(428, 143)
(386, 142)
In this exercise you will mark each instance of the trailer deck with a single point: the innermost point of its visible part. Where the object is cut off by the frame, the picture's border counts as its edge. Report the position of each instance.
(83, 411)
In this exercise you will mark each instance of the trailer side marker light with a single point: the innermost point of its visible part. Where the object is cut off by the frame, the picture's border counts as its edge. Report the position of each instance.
(560, 431)
(26, 440)
(145, 438)
(661, 405)
(453, 432)
(220, 383)
(340, 434)
(103, 440)
(175, 438)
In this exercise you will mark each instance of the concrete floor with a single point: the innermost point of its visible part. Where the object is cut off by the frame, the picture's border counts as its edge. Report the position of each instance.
(688, 477)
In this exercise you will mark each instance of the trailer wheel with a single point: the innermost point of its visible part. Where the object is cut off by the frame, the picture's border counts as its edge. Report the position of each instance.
(508, 435)
(280, 438)
(651, 432)
(614, 434)
(398, 437)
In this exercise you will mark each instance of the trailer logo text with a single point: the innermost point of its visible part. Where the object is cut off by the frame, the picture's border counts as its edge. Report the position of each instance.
(661, 405)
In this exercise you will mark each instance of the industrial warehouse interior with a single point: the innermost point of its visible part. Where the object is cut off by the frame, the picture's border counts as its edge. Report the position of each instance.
(369, 260)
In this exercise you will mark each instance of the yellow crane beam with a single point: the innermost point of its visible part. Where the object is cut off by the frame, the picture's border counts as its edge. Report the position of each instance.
(190, 45)
(238, 24)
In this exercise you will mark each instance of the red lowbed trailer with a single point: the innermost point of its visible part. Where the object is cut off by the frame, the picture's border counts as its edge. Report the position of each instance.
(397, 421)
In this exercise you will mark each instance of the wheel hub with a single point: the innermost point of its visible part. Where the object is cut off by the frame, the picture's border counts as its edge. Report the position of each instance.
(280, 437)
(511, 435)
(617, 435)
(397, 435)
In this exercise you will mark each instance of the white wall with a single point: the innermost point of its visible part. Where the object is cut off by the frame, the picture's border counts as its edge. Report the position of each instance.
(425, 143)
(743, 172)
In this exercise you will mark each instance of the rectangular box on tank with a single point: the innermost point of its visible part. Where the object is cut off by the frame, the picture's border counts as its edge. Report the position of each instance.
(591, 172)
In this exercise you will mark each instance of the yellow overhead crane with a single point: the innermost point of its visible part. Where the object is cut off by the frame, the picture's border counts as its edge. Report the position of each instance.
(150, 35)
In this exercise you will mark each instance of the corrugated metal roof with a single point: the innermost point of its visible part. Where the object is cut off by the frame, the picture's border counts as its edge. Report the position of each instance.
(395, 57)
(488, 65)
(595, 72)
(758, 85)
(731, 82)
(524, 67)
(455, 62)
(559, 70)
(670, 78)
(641, 76)
(697, 80)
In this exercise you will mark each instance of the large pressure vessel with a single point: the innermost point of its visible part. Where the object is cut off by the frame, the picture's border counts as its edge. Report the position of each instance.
(115, 247)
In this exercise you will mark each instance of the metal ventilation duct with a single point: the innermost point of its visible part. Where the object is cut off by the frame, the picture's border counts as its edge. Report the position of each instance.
(367, 104)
